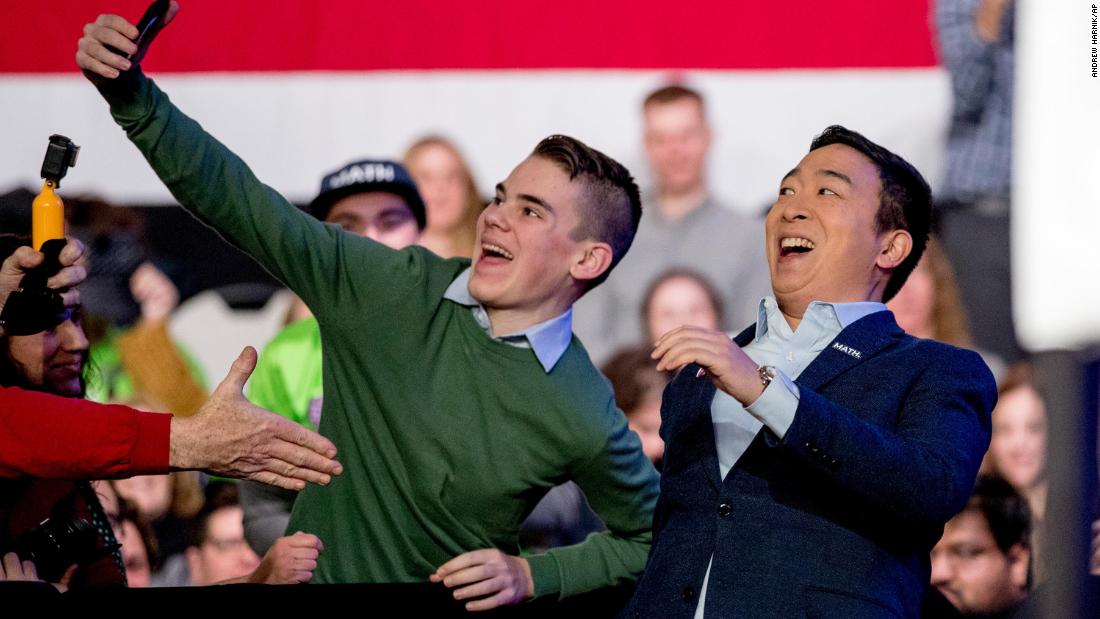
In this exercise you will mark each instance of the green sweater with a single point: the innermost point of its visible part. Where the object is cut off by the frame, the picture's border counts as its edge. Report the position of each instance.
(448, 437)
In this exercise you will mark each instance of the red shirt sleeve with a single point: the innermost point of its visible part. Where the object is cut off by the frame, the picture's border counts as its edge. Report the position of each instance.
(51, 437)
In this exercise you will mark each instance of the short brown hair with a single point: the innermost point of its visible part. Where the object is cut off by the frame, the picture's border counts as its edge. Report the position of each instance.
(671, 94)
(611, 205)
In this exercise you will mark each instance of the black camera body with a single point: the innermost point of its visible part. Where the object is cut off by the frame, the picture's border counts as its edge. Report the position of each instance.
(63, 539)
(61, 155)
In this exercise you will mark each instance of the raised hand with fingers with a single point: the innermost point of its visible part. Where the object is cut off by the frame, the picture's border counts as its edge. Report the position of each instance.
(727, 366)
(232, 437)
(95, 55)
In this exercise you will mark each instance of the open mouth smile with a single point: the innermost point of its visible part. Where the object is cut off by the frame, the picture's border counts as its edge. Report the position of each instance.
(489, 250)
(794, 245)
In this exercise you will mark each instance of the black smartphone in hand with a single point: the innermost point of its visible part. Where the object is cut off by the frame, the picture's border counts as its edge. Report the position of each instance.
(148, 27)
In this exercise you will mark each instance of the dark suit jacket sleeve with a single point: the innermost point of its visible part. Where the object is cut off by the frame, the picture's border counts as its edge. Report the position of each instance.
(923, 470)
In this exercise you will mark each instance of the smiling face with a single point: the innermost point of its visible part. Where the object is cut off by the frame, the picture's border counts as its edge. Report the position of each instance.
(1017, 448)
(52, 360)
(527, 266)
(525, 259)
(822, 239)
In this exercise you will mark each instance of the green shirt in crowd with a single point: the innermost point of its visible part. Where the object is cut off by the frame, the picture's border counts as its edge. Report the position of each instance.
(448, 437)
(287, 379)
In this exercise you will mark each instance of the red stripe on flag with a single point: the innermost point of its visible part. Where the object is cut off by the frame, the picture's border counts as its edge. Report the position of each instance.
(39, 36)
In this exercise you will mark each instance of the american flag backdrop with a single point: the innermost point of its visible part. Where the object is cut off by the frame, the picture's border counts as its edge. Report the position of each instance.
(298, 87)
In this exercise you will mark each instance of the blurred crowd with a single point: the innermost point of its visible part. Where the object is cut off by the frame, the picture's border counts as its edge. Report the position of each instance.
(693, 262)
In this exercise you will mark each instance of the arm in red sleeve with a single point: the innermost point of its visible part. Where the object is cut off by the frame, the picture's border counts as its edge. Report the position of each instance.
(51, 437)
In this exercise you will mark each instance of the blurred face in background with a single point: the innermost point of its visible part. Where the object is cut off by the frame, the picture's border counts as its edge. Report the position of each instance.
(912, 305)
(150, 494)
(444, 185)
(53, 360)
(972, 572)
(645, 420)
(679, 301)
(224, 553)
(677, 139)
(134, 555)
(1017, 449)
(378, 215)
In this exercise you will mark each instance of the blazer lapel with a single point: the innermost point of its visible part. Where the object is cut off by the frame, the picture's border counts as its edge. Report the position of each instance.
(701, 404)
(696, 401)
(698, 407)
(862, 339)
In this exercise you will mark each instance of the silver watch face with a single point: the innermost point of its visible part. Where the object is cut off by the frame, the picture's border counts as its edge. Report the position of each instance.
(767, 374)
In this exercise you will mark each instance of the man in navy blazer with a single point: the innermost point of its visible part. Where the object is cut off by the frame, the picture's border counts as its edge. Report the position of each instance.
(811, 463)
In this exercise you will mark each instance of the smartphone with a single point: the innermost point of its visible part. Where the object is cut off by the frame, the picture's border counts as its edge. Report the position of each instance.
(148, 27)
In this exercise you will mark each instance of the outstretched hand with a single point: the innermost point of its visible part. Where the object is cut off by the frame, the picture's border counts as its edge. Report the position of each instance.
(231, 437)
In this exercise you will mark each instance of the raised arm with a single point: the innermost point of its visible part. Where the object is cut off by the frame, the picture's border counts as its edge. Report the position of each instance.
(215, 185)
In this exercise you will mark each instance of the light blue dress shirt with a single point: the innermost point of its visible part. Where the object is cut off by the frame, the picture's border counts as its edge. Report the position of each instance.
(790, 352)
(548, 339)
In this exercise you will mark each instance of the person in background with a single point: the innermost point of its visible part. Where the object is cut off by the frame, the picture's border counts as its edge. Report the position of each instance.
(138, 544)
(376, 199)
(450, 195)
(52, 361)
(141, 365)
(218, 552)
(980, 565)
(976, 45)
(638, 386)
(164, 504)
(228, 436)
(685, 226)
(680, 297)
(1018, 449)
(930, 306)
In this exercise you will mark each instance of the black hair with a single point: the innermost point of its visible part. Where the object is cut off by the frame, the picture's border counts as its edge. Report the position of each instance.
(905, 202)
(1005, 510)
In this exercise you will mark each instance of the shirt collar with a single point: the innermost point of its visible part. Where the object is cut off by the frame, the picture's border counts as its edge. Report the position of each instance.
(837, 314)
(548, 339)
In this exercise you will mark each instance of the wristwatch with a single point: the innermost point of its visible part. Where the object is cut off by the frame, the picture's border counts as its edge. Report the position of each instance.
(767, 374)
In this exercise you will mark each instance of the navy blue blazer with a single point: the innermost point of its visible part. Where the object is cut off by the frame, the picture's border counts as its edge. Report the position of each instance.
(837, 518)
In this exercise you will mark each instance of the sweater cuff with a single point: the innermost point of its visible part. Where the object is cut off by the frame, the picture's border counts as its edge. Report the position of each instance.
(546, 573)
(129, 95)
(149, 455)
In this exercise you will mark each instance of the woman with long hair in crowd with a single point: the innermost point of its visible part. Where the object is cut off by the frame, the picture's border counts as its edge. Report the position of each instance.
(679, 297)
(450, 195)
(1018, 446)
(57, 524)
